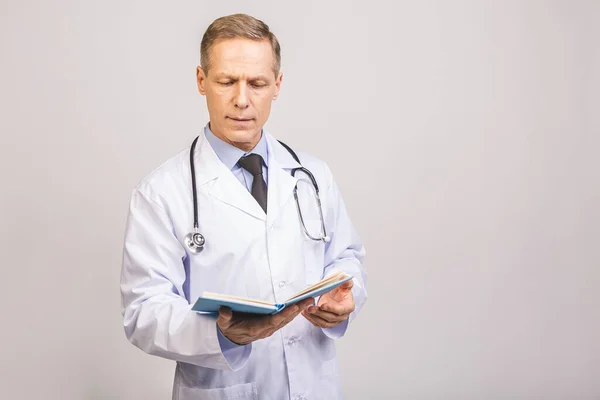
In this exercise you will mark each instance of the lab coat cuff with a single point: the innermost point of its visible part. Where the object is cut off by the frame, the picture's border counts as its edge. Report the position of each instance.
(336, 332)
(236, 355)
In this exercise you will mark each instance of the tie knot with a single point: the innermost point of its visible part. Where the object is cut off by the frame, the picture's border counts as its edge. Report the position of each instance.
(252, 163)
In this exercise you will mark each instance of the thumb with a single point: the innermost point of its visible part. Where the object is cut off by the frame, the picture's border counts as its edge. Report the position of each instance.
(347, 285)
(341, 291)
(225, 316)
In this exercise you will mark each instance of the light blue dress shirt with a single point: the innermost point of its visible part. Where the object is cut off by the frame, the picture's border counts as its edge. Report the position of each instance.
(230, 155)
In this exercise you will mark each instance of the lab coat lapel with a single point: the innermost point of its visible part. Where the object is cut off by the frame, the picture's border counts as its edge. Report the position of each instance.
(226, 187)
(281, 182)
(229, 190)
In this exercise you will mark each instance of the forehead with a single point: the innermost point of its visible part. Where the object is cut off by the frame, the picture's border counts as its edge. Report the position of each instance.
(242, 57)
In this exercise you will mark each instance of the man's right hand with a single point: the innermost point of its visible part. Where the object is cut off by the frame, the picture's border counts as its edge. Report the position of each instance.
(243, 328)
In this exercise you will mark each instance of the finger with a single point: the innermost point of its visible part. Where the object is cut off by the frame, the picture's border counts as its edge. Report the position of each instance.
(318, 321)
(347, 285)
(283, 318)
(309, 318)
(287, 313)
(301, 306)
(280, 320)
(326, 315)
(306, 303)
(339, 309)
(295, 309)
(225, 316)
(342, 292)
(286, 321)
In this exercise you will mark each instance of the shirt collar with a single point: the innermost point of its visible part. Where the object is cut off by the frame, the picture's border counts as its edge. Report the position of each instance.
(229, 154)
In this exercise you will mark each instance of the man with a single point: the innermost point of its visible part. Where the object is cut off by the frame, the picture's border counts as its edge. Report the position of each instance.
(256, 244)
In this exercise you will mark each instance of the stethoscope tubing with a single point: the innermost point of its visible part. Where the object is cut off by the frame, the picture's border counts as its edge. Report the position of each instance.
(195, 241)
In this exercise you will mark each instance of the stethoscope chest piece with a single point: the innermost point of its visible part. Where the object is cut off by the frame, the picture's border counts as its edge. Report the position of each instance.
(194, 242)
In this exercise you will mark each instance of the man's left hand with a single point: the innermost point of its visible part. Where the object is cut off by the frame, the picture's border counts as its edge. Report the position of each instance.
(333, 308)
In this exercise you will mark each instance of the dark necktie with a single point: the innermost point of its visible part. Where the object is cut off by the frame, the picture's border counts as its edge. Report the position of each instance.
(253, 163)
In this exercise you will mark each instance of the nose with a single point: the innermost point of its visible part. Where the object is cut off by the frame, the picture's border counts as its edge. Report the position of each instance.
(241, 96)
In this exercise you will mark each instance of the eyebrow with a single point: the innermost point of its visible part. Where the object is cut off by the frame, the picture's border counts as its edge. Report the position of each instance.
(235, 78)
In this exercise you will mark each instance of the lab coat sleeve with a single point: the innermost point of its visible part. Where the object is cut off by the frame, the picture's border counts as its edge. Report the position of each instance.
(156, 315)
(345, 252)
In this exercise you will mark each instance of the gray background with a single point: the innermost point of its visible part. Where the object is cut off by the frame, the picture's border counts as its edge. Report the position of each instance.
(464, 136)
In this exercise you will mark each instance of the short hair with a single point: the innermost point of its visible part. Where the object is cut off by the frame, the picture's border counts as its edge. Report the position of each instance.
(238, 26)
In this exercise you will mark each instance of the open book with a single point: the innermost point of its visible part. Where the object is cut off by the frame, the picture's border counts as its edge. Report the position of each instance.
(211, 302)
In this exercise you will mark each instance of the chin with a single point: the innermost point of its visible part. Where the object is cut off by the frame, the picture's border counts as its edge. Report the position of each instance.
(247, 135)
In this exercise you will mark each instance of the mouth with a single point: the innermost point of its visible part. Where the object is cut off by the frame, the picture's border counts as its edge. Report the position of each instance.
(240, 119)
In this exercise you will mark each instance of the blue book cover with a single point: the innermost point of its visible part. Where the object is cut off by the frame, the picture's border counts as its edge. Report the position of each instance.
(211, 302)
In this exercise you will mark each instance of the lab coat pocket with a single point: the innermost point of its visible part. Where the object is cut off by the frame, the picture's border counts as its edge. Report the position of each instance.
(314, 252)
(244, 391)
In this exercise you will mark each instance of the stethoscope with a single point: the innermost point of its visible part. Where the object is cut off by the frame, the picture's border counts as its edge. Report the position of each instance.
(195, 240)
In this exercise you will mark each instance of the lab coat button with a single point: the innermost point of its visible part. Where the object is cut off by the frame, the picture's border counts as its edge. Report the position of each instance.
(291, 341)
(281, 284)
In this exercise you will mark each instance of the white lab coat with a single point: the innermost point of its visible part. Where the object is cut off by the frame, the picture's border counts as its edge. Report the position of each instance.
(247, 253)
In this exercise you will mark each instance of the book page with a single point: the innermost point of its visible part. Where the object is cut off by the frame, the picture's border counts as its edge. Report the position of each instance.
(219, 296)
(330, 279)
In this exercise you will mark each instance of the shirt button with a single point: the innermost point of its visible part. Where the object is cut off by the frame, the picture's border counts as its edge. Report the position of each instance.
(291, 341)
(281, 284)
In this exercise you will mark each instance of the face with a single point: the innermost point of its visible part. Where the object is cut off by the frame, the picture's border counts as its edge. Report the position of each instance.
(239, 88)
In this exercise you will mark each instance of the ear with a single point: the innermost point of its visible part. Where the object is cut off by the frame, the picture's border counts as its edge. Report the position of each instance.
(201, 80)
(278, 85)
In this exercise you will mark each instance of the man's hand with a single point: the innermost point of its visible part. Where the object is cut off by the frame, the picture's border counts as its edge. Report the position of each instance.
(243, 328)
(334, 307)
